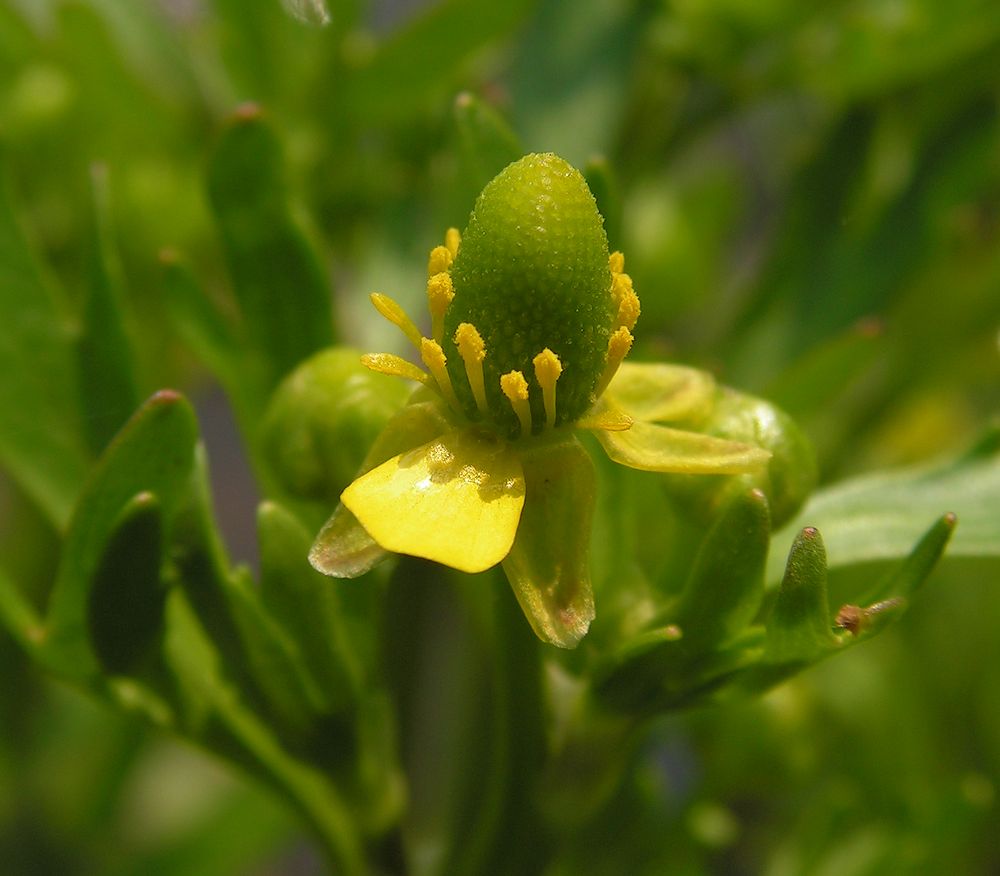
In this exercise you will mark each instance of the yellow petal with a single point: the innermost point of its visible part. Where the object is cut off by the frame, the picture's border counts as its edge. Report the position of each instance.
(659, 448)
(657, 392)
(456, 500)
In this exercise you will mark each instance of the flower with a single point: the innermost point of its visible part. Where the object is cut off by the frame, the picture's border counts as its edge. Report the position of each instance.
(531, 319)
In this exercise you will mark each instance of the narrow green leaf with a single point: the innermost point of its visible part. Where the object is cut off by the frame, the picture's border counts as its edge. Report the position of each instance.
(154, 453)
(40, 444)
(282, 290)
(907, 577)
(799, 627)
(878, 517)
(304, 602)
(274, 660)
(105, 365)
(125, 602)
(486, 143)
(418, 60)
(19, 617)
(603, 185)
(203, 327)
(726, 585)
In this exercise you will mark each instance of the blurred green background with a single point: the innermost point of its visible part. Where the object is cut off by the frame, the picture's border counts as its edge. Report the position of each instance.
(808, 196)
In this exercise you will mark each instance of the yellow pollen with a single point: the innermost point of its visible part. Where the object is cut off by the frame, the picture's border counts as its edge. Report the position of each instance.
(440, 292)
(619, 344)
(515, 387)
(436, 362)
(387, 363)
(397, 316)
(452, 241)
(547, 371)
(616, 261)
(472, 350)
(440, 260)
(628, 302)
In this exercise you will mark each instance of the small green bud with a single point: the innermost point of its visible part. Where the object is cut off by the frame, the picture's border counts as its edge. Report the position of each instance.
(323, 418)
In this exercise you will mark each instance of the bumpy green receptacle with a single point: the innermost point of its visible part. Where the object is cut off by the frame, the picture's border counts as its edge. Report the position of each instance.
(532, 272)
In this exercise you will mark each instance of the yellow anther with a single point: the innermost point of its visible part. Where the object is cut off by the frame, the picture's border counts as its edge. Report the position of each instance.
(440, 260)
(515, 387)
(547, 371)
(397, 316)
(440, 292)
(452, 240)
(628, 301)
(387, 363)
(437, 363)
(472, 350)
(616, 261)
(619, 344)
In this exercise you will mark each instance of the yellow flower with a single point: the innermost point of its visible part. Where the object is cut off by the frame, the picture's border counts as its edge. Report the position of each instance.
(531, 319)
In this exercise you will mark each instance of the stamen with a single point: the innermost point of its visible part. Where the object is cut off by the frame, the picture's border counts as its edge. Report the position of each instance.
(397, 316)
(547, 371)
(628, 301)
(440, 292)
(616, 261)
(387, 363)
(472, 350)
(440, 260)
(619, 344)
(452, 240)
(515, 387)
(436, 362)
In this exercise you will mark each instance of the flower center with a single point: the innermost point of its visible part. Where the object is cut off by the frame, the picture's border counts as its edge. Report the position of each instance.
(529, 291)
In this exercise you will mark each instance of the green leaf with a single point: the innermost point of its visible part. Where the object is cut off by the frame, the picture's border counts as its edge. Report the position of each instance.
(39, 441)
(549, 564)
(274, 660)
(799, 627)
(19, 617)
(282, 290)
(419, 59)
(604, 186)
(726, 585)
(210, 336)
(486, 144)
(878, 517)
(106, 369)
(126, 598)
(154, 453)
(305, 602)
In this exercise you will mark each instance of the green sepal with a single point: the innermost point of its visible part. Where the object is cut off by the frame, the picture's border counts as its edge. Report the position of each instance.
(125, 602)
(548, 565)
(282, 290)
(726, 585)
